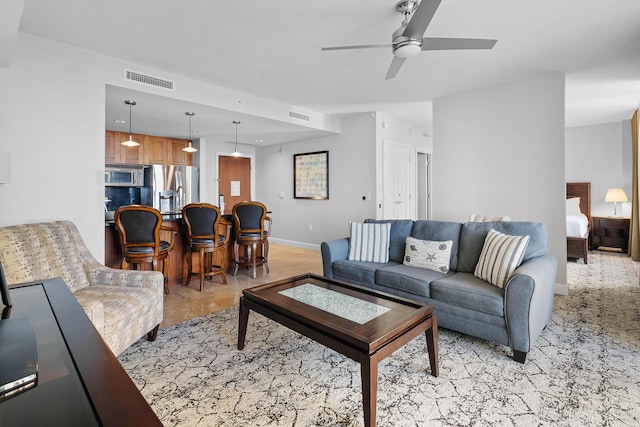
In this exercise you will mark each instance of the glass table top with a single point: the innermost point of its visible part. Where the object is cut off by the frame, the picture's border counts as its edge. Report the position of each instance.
(336, 303)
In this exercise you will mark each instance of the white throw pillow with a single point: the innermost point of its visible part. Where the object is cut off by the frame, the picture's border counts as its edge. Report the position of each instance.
(500, 256)
(369, 242)
(573, 205)
(428, 254)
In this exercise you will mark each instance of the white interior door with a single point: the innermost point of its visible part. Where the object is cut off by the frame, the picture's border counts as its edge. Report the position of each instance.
(397, 181)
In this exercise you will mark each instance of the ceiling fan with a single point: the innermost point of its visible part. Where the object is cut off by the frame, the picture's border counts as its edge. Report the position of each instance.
(408, 40)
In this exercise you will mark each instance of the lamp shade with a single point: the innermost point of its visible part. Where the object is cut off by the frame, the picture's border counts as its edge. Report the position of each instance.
(616, 195)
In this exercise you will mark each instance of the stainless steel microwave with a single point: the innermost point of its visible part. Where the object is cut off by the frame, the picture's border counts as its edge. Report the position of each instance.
(124, 176)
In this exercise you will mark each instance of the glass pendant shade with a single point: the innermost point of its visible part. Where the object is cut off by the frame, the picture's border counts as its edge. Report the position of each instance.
(236, 153)
(190, 148)
(130, 142)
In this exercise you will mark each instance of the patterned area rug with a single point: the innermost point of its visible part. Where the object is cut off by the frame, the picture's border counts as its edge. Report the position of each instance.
(583, 370)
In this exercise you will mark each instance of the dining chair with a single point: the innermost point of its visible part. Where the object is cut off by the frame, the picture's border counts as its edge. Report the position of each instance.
(203, 222)
(139, 229)
(249, 219)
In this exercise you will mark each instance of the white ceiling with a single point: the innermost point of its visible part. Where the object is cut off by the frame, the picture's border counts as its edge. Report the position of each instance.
(272, 49)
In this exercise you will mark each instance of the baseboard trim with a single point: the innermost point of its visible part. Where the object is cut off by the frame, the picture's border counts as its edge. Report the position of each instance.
(296, 244)
(561, 289)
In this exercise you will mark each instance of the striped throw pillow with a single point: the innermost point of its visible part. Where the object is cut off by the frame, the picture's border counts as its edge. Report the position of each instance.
(500, 256)
(369, 242)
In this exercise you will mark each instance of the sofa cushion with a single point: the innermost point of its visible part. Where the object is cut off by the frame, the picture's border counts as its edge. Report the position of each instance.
(369, 242)
(357, 271)
(428, 254)
(473, 234)
(405, 278)
(400, 229)
(468, 291)
(439, 231)
(500, 256)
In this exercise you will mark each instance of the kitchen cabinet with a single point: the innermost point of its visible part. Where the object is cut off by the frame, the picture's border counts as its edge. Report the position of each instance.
(115, 152)
(130, 155)
(179, 157)
(111, 148)
(153, 150)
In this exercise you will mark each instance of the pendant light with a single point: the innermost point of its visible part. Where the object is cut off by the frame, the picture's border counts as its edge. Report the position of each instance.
(236, 153)
(130, 142)
(190, 148)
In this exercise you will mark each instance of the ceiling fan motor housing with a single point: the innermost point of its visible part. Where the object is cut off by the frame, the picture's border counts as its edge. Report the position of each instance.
(405, 46)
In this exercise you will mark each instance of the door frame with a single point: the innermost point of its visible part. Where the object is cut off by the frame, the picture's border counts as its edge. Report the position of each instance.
(426, 171)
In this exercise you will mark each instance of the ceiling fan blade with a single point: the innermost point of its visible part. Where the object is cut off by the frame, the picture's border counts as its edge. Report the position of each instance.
(444, 43)
(394, 67)
(362, 46)
(421, 18)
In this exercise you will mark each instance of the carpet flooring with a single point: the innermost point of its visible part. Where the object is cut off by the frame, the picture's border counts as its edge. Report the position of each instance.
(584, 370)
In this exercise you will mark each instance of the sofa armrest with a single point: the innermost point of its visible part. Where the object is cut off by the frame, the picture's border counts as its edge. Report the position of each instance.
(101, 275)
(528, 302)
(334, 250)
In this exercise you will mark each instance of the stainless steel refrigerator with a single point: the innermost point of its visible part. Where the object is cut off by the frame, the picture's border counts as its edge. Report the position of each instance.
(173, 187)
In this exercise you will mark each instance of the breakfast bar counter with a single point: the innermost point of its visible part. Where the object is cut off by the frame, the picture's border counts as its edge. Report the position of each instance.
(177, 265)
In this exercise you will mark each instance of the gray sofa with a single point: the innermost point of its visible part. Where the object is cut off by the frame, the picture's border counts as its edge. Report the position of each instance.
(514, 315)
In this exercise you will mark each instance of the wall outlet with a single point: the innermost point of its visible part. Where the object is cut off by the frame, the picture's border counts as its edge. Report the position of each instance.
(310, 227)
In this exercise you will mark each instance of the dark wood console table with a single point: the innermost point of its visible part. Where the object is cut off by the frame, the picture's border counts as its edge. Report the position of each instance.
(80, 381)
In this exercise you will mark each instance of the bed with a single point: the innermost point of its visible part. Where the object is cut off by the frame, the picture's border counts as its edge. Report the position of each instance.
(578, 219)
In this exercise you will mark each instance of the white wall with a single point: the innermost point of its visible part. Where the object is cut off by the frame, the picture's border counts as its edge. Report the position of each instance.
(500, 150)
(52, 100)
(351, 175)
(355, 170)
(601, 154)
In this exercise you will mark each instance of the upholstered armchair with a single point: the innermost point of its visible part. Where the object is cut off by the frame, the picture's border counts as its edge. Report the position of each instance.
(123, 305)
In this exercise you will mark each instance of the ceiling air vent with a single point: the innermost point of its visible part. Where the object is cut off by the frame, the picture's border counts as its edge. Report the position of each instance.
(299, 116)
(148, 80)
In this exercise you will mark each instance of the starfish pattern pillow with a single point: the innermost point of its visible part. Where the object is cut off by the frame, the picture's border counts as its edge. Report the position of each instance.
(429, 254)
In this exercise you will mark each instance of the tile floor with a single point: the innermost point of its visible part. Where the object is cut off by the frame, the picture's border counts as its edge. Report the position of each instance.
(184, 302)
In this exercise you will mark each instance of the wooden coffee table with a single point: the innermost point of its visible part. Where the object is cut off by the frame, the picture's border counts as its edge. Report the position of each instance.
(357, 322)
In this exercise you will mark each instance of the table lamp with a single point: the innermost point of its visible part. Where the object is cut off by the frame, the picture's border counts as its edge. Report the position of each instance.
(615, 195)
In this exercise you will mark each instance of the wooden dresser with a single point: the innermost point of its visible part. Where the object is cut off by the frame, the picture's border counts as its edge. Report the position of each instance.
(80, 381)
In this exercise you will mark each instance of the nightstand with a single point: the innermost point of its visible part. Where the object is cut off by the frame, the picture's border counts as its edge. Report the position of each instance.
(610, 231)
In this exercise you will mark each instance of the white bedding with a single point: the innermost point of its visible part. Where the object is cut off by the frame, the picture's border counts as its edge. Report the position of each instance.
(577, 225)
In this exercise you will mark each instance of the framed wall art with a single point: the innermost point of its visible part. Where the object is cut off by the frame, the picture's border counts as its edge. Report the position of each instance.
(311, 175)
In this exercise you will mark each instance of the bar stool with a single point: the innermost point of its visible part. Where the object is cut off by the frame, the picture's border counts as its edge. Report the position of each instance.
(139, 228)
(249, 220)
(203, 221)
